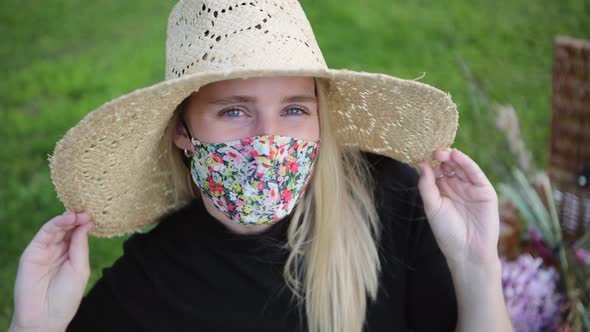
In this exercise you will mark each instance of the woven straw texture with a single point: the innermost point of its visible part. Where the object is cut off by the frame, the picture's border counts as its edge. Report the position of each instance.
(112, 163)
(570, 133)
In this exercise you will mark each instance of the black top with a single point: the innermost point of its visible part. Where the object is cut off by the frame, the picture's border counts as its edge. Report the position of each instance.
(190, 273)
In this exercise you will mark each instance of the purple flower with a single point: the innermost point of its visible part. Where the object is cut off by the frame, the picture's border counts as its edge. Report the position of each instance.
(533, 300)
(582, 256)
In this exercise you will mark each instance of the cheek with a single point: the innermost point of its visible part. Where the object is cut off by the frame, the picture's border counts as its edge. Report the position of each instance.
(307, 127)
(208, 129)
(313, 129)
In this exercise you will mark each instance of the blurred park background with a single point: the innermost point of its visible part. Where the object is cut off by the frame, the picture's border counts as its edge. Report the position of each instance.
(63, 58)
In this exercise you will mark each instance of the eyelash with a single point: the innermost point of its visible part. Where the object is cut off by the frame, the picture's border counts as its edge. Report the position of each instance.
(232, 109)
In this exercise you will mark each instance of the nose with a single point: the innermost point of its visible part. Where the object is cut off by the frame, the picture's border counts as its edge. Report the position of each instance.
(266, 124)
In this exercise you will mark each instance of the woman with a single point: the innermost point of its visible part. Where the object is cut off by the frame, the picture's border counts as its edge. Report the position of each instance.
(280, 191)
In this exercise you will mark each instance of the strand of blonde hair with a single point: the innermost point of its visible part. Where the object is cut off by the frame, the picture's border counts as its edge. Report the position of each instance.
(333, 263)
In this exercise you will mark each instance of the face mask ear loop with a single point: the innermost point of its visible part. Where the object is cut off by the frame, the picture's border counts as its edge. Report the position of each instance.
(188, 132)
(186, 160)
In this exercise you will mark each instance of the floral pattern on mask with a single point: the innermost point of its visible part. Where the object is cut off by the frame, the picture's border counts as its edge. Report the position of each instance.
(255, 180)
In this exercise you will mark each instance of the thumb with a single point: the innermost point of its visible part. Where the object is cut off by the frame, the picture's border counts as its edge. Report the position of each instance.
(428, 189)
(79, 248)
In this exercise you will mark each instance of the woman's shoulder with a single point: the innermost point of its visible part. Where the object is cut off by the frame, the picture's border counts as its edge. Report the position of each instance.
(395, 186)
(174, 219)
(399, 205)
(391, 173)
(167, 230)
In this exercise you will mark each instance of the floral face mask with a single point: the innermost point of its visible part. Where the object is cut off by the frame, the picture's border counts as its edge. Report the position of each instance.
(254, 180)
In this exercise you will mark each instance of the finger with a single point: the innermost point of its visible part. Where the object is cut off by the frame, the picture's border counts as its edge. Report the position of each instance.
(470, 168)
(447, 169)
(459, 173)
(79, 248)
(67, 231)
(81, 219)
(438, 172)
(428, 188)
(442, 155)
(448, 188)
(450, 169)
(53, 230)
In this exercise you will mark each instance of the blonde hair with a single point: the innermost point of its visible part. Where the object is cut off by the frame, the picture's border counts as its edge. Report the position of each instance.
(333, 261)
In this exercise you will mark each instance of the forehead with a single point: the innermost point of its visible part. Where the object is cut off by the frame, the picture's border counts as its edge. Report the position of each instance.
(259, 85)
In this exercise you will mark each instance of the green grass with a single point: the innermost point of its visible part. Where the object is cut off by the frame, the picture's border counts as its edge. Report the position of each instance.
(61, 59)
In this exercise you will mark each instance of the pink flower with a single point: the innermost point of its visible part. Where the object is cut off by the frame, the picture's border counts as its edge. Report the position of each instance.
(538, 247)
(217, 158)
(214, 187)
(582, 256)
(286, 195)
(292, 166)
(246, 141)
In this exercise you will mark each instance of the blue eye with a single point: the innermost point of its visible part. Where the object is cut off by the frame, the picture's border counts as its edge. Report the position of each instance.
(295, 111)
(232, 112)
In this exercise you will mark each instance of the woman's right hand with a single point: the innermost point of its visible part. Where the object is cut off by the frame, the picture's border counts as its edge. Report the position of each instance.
(52, 274)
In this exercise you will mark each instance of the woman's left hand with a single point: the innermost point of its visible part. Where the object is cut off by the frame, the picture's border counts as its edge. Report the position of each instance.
(462, 208)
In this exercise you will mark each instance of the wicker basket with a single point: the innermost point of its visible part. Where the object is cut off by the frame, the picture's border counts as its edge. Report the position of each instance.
(569, 161)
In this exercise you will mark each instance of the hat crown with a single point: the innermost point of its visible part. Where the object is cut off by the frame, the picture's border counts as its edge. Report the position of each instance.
(222, 35)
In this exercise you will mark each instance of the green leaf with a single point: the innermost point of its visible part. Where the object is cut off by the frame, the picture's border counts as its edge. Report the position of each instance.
(548, 191)
(541, 219)
(584, 241)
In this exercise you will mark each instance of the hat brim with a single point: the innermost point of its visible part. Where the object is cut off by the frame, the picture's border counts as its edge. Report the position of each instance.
(112, 164)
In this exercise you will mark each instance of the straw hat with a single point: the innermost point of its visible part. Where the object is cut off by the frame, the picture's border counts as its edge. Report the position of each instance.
(112, 163)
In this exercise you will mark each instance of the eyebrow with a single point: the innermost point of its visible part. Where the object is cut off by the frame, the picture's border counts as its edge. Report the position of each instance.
(247, 99)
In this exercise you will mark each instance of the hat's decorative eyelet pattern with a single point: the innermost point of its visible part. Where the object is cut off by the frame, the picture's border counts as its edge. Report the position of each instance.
(116, 159)
(211, 39)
